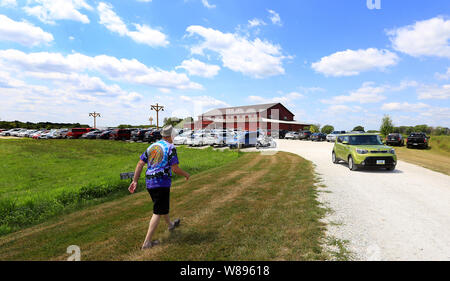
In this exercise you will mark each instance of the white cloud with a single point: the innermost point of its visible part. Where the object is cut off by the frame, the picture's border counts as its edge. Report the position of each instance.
(198, 68)
(204, 101)
(8, 3)
(256, 22)
(207, 5)
(434, 92)
(443, 76)
(404, 106)
(48, 11)
(274, 17)
(23, 32)
(146, 1)
(365, 94)
(350, 62)
(342, 109)
(423, 38)
(131, 71)
(286, 99)
(143, 33)
(255, 58)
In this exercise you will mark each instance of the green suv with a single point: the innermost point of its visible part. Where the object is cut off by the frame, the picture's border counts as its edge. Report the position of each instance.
(363, 150)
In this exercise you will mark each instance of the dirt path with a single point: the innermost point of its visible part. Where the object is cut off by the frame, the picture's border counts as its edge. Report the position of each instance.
(400, 215)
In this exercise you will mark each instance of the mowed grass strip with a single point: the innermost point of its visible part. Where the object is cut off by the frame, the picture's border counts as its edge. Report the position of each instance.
(436, 157)
(45, 178)
(254, 208)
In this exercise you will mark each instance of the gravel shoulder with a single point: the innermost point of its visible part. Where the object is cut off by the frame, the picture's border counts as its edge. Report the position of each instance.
(382, 215)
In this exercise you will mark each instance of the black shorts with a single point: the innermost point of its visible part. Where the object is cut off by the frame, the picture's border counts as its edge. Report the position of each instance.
(161, 198)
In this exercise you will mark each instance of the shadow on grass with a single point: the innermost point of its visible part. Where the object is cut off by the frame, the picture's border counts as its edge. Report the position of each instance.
(192, 237)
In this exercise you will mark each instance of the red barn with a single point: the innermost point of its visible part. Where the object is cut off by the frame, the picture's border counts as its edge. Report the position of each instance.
(269, 116)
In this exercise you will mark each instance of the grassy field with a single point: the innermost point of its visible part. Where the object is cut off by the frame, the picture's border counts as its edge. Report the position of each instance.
(44, 178)
(436, 157)
(254, 208)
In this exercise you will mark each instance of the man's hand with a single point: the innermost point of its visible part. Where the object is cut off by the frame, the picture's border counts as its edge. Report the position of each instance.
(132, 186)
(187, 176)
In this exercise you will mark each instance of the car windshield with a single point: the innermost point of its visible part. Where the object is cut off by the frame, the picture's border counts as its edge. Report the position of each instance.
(365, 140)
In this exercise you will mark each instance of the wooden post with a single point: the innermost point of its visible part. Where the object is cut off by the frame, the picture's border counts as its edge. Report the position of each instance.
(157, 108)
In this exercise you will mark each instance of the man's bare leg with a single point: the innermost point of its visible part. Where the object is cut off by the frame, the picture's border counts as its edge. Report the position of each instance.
(151, 229)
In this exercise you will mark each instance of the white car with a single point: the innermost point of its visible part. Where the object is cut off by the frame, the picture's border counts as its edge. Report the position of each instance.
(292, 135)
(8, 132)
(197, 139)
(16, 133)
(332, 137)
(182, 139)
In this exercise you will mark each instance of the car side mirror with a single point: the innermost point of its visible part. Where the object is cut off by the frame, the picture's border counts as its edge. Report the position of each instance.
(345, 142)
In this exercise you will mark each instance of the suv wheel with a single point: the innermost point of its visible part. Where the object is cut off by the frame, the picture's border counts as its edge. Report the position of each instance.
(351, 164)
(333, 158)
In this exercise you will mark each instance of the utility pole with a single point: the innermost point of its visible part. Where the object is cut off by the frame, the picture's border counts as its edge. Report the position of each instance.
(157, 108)
(95, 115)
(151, 120)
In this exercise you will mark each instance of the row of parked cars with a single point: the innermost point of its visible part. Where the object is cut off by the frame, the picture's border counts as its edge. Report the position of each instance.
(413, 140)
(308, 135)
(225, 138)
(149, 135)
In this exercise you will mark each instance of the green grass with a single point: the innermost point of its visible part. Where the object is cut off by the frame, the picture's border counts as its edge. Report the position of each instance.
(436, 157)
(44, 178)
(254, 208)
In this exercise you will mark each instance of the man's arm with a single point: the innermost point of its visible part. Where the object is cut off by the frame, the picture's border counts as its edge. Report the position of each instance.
(137, 175)
(177, 170)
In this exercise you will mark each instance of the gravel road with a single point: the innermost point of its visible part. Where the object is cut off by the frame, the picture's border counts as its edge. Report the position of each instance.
(399, 215)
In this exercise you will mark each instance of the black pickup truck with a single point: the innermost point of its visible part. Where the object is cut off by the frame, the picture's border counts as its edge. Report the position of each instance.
(417, 140)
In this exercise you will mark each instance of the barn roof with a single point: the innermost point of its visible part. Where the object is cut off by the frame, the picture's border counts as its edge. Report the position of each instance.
(246, 109)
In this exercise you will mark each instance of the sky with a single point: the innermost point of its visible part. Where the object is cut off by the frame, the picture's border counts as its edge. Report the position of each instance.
(344, 63)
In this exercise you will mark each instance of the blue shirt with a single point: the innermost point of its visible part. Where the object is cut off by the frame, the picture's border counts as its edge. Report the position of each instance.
(159, 157)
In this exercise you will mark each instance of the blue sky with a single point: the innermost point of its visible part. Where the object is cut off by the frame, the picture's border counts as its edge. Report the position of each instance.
(329, 62)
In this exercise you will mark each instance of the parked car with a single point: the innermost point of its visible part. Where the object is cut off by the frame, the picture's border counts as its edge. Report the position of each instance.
(304, 135)
(8, 132)
(29, 133)
(75, 133)
(197, 139)
(332, 137)
(221, 138)
(120, 134)
(243, 139)
(395, 139)
(152, 136)
(265, 141)
(182, 138)
(16, 133)
(318, 137)
(61, 133)
(139, 134)
(91, 135)
(37, 134)
(292, 136)
(104, 135)
(417, 140)
(363, 150)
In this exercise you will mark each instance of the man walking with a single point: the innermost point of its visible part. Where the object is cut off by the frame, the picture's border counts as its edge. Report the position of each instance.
(161, 159)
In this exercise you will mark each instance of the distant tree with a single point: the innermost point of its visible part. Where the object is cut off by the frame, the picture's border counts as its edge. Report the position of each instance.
(314, 128)
(327, 129)
(372, 131)
(172, 121)
(359, 128)
(386, 125)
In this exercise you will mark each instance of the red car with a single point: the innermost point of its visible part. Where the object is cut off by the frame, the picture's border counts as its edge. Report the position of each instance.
(75, 133)
(120, 134)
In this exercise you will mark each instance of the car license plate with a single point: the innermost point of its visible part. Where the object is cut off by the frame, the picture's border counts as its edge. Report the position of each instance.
(380, 162)
(415, 143)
